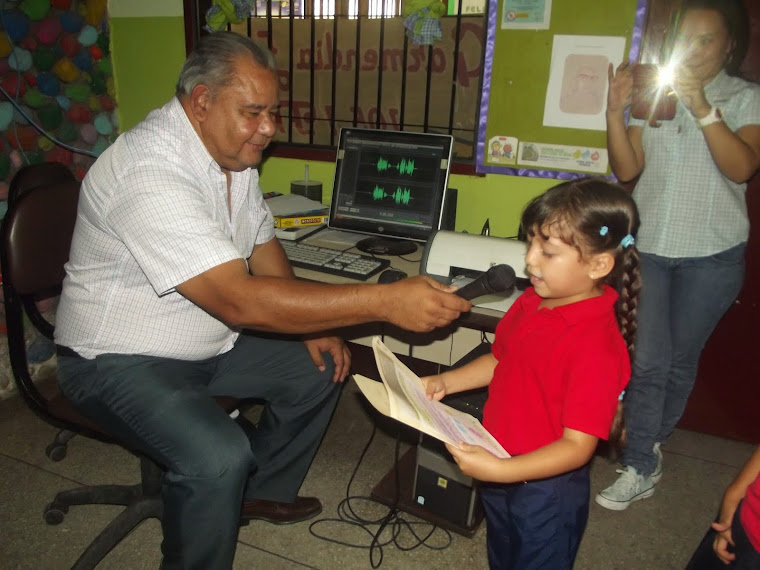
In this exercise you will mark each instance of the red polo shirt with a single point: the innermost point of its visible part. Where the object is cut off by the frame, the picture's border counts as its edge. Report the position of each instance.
(557, 368)
(750, 513)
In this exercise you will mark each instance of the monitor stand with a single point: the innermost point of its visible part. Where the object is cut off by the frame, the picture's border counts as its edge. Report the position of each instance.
(386, 246)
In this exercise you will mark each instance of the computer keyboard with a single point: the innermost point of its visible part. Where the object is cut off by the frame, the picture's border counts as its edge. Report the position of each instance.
(333, 261)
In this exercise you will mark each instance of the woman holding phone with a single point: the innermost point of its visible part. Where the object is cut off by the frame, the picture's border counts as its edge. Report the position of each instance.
(692, 175)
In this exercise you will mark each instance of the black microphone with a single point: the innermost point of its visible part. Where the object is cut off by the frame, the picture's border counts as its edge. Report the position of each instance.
(498, 279)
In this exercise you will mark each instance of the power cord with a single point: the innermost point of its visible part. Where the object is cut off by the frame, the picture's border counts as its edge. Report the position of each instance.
(347, 515)
(406, 258)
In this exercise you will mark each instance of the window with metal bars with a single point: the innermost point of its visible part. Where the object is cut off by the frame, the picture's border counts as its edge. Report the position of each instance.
(351, 63)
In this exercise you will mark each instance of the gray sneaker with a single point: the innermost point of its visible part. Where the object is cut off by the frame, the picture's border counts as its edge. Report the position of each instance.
(657, 475)
(629, 487)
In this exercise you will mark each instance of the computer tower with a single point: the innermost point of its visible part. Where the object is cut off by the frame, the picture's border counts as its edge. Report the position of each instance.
(441, 488)
(439, 485)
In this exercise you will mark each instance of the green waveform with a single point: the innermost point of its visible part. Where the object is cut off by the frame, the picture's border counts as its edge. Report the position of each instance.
(403, 167)
(400, 196)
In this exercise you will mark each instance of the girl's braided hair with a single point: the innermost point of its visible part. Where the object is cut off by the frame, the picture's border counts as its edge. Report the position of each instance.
(595, 215)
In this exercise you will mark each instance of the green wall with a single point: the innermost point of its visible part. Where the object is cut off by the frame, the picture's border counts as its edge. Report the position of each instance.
(148, 51)
(147, 54)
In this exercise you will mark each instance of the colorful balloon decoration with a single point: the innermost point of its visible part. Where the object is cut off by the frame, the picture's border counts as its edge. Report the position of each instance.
(55, 68)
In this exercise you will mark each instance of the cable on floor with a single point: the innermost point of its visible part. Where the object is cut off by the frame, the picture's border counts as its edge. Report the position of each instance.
(421, 532)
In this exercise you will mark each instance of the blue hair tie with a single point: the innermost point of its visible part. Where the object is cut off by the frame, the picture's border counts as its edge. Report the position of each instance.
(621, 396)
(627, 240)
(603, 230)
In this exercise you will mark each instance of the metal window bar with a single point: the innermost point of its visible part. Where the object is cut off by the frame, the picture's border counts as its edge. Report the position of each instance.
(429, 81)
(334, 81)
(455, 68)
(373, 3)
(404, 64)
(313, 30)
(357, 70)
(373, 10)
(291, 57)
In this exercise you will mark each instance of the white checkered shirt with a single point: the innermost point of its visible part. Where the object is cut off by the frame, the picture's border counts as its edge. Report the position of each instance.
(152, 214)
(688, 208)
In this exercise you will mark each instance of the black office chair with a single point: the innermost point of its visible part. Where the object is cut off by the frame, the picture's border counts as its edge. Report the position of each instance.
(26, 178)
(34, 246)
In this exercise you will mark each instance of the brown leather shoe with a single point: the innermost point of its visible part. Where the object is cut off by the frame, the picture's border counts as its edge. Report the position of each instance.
(301, 509)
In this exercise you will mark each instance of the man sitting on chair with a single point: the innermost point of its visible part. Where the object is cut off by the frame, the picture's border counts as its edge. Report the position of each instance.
(173, 255)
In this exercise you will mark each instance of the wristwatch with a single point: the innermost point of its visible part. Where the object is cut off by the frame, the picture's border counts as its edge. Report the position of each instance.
(713, 116)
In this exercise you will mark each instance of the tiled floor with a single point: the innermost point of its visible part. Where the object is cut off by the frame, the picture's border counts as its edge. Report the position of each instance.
(657, 533)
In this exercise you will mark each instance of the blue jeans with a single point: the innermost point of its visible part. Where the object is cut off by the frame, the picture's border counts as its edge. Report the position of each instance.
(536, 525)
(164, 408)
(681, 302)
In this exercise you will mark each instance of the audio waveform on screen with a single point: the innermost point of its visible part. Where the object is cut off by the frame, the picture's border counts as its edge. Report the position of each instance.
(403, 167)
(400, 195)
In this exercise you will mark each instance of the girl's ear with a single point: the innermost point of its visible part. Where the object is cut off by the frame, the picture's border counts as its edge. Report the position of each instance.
(601, 265)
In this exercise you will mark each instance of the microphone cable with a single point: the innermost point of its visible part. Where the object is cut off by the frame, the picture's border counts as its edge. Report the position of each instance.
(423, 533)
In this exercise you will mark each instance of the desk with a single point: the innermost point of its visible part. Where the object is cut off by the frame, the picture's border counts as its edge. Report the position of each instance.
(443, 346)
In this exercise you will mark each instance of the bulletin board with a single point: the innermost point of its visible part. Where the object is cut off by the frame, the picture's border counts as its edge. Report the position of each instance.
(516, 76)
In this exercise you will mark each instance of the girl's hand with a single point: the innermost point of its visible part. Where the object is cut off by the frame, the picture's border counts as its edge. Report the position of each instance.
(435, 387)
(691, 92)
(620, 93)
(731, 499)
(476, 462)
(721, 542)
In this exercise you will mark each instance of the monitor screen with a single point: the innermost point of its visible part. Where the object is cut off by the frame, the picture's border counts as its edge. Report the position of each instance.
(390, 184)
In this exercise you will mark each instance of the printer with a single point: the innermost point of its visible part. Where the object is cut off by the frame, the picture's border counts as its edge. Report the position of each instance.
(458, 259)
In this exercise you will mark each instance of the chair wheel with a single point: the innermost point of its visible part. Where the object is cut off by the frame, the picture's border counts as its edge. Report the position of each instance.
(54, 515)
(56, 451)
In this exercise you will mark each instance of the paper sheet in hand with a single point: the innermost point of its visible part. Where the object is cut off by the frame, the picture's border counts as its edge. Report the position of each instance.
(401, 396)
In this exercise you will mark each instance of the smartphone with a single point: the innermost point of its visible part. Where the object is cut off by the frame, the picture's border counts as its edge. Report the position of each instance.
(650, 99)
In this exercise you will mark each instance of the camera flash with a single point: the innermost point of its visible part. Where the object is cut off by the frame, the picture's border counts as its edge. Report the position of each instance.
(665, 75)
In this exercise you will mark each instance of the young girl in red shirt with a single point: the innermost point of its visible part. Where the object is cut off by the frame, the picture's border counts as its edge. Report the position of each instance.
(733, 542)
(559, 363)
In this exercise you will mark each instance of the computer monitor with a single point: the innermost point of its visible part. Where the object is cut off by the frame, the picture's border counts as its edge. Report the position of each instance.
(390, 185)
